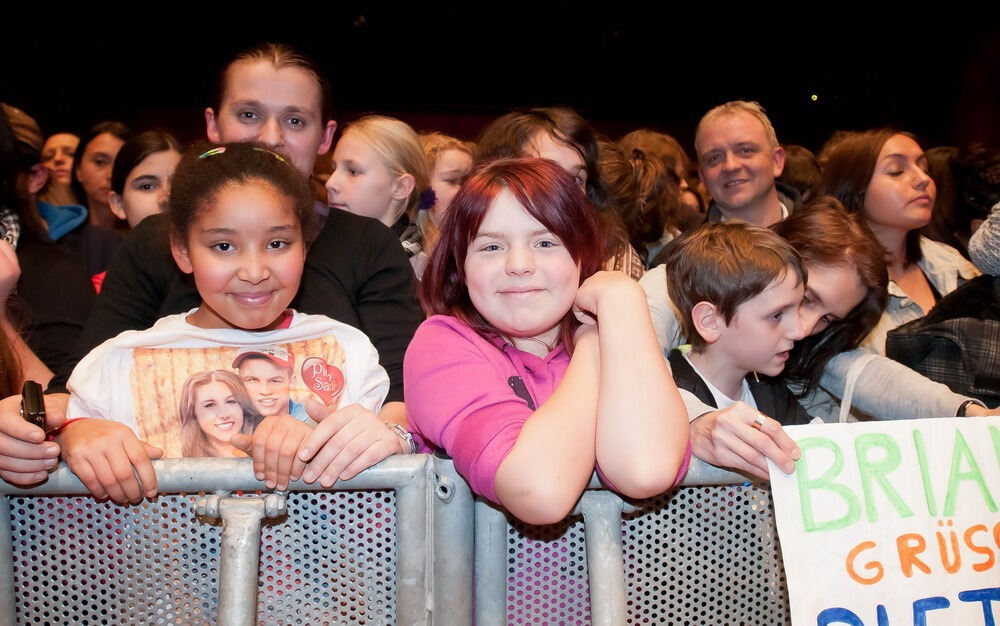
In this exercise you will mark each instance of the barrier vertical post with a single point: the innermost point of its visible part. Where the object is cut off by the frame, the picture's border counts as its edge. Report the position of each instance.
(491, 568)
(7, 616)
(602, 511)
(412, 519)
(239, 561)
(452, 552)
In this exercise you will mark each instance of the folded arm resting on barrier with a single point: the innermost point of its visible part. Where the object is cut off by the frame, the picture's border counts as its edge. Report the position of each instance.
(552, 459)
(529, 432)
(642, 426)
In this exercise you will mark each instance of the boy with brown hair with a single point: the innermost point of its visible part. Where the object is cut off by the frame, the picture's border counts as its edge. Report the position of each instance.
(737, 290)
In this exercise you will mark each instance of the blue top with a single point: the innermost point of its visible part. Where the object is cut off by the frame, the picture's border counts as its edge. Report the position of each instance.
(61, 218)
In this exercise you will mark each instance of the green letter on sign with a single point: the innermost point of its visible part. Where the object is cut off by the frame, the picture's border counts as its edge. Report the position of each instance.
(824, 483)
(962, 451)
(875, 471)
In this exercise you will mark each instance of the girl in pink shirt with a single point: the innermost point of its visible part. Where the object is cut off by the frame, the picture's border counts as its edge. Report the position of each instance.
(535, 366)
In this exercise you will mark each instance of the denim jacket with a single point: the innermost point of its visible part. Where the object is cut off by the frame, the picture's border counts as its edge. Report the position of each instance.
(944, 268)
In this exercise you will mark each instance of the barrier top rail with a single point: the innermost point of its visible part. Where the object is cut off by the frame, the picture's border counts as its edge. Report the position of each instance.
(217, 474)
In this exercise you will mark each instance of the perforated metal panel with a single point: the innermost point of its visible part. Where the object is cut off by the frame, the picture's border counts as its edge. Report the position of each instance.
(705, 555)
(336, 564)
(77, 561)
(699, 555)
(547, 574)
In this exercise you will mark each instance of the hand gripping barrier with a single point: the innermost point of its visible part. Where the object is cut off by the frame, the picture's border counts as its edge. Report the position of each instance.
(392, 545)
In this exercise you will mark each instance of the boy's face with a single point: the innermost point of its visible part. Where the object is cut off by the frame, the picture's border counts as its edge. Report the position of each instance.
(267, 384)
(764, 328)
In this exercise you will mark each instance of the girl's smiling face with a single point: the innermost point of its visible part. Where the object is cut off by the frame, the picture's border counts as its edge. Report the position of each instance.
(520, 277)
(246, 252)
(218, 412)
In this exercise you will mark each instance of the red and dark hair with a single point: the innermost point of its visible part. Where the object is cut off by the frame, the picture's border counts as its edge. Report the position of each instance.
(548, 194)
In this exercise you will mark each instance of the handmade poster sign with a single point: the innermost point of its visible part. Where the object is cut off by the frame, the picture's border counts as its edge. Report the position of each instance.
(892, 523)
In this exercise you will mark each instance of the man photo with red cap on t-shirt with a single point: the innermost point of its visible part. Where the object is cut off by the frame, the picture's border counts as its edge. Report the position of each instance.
(267, 374)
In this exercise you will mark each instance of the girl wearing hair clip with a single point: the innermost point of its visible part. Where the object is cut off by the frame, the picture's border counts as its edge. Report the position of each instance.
(239, 216)
(380, 171)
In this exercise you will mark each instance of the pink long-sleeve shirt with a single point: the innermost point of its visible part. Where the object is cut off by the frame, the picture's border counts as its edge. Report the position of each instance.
(471, 396)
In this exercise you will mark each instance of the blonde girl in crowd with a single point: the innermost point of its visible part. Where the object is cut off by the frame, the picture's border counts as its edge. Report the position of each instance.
(449, 161)
(379, 171)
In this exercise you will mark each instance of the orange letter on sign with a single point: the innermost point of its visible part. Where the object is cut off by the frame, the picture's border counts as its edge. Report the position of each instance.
(909, 546)
(870, 565)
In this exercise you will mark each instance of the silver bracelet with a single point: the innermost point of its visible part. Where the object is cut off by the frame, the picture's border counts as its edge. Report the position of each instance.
(409, 446)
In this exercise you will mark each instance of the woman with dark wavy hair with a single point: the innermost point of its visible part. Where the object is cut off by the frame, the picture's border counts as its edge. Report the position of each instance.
(882, 176)
(845, 262)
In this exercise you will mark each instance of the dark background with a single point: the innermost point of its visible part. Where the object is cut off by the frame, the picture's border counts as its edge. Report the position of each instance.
(454, 70)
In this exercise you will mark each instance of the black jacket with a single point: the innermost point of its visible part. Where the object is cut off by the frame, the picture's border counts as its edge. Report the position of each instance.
(787, 195)
(54, 296)
(772, 397)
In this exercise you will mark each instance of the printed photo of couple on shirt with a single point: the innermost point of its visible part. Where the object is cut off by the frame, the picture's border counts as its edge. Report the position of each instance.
(230, 391)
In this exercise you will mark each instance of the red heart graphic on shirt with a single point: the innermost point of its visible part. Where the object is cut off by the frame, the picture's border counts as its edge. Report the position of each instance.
(323, 379)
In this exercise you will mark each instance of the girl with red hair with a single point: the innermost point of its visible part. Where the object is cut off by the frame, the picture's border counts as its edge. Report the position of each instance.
(534, 366)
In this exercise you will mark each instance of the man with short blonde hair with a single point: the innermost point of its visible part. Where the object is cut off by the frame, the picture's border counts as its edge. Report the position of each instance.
(738, 160)
(740, 106)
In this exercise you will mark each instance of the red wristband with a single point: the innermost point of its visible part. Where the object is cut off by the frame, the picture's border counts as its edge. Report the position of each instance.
(51, 435)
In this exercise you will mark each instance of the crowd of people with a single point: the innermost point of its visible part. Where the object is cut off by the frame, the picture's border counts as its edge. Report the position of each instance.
(538, 304)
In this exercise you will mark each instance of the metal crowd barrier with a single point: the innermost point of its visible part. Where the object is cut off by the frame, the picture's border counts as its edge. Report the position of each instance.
(402, 543)
(367, 552)
(704, 553)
